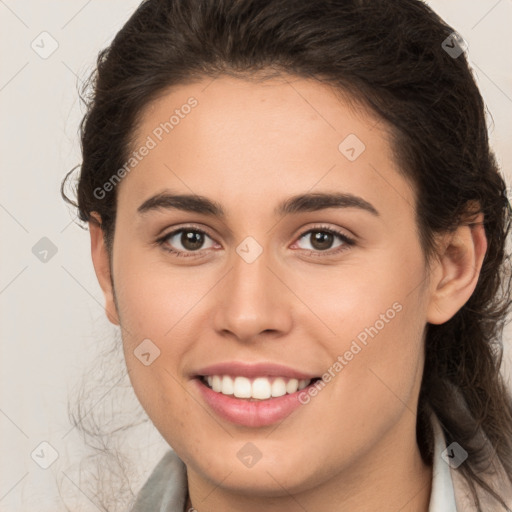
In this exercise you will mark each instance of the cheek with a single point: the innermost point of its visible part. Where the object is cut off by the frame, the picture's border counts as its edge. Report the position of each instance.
(162, 396)
(377, 311)
(375, 379)
(367, 293)
(384, 376)
(153, 314)
(156, 301)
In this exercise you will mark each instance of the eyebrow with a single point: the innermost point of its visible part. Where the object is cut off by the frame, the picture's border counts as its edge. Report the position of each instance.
(308, 202)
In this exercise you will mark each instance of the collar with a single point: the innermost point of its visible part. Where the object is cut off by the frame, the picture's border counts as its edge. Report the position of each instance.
(166, 488)
(442, 495)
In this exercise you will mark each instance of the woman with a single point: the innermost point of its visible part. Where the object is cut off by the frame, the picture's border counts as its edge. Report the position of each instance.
(299, 226)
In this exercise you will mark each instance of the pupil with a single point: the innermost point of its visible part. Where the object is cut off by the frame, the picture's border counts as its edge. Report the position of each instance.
(322, 240)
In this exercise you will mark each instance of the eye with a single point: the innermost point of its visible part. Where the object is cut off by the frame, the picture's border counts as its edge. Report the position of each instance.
(321, 240)
(191, 241)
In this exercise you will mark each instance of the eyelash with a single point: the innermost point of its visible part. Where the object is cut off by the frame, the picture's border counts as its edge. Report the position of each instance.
(347, 242)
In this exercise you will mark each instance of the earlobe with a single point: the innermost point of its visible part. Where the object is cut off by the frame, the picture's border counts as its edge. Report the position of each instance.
(101, 262)
(458, 270)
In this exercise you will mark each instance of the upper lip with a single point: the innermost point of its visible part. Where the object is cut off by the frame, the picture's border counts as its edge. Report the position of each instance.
(250, 370)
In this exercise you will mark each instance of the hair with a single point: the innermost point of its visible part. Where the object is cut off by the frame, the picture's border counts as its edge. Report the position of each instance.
(388, 57)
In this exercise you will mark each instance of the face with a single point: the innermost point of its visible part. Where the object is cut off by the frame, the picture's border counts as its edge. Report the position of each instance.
(266, 283)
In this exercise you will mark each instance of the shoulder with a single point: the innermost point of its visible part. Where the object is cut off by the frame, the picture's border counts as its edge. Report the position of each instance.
(451, 481)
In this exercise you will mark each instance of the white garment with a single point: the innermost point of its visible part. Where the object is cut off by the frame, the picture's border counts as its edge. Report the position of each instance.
(442, 496)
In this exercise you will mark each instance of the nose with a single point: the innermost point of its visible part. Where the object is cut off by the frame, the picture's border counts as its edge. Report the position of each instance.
(253, 301)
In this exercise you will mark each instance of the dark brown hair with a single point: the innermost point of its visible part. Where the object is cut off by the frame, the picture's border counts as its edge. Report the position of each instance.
(388, 55)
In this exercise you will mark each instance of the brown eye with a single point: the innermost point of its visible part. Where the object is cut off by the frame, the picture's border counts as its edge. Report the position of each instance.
(322, 239)
(185, 240)
(191, 240)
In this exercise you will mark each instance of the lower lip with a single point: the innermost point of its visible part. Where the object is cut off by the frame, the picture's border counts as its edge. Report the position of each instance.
(248, 413)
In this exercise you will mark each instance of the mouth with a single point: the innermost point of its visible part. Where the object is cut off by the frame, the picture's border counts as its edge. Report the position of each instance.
(255, 389)
(253, 402)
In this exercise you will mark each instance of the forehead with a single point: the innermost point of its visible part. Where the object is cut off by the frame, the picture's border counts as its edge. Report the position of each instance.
(251, 142)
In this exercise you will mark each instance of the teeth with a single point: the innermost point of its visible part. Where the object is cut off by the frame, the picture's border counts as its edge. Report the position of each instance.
(278, 387)
(241, 387)
(217, 383)
(260, 388)
(303, 384)
(292, 385)
(228, 387)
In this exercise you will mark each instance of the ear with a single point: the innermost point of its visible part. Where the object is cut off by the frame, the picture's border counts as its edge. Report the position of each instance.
(457, 271)
(101, 262)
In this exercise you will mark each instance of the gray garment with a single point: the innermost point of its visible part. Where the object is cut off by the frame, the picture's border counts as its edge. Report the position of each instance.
(166, 488)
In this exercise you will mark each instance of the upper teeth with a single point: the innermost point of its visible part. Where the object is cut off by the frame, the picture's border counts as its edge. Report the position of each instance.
(260, 388)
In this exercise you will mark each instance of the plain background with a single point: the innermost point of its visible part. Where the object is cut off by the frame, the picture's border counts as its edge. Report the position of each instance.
(52, 323)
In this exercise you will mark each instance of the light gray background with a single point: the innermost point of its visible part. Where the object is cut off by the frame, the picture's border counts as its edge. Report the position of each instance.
(51, 316)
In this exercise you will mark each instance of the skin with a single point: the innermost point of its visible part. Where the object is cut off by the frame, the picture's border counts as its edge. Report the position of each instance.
(249, 145)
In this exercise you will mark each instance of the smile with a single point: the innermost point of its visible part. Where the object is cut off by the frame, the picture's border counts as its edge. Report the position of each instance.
(259, 388)
(252, 402)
